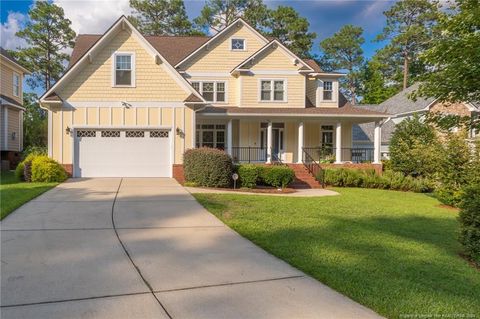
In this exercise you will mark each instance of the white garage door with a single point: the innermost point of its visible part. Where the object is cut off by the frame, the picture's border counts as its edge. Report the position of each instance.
(122, 153)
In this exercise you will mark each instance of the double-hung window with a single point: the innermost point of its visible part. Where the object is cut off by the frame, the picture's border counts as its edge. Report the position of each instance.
(16, 84)
(124, 69)
(327, 91)
(272, 90)
(212, 91)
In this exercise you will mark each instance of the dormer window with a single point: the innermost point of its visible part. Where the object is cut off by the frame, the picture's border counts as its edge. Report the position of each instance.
(124, 69)
(327, 91)
(238, 45)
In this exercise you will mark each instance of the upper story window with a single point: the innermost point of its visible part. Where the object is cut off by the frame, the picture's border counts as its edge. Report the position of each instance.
(237, 44)
(327, 91)
(212, 91)
(272, 90)
(16, 84)
(124, 69)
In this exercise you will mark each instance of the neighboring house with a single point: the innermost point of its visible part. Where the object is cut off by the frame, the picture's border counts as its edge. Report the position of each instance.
(130, 105)
(400, 106)
(11, 109)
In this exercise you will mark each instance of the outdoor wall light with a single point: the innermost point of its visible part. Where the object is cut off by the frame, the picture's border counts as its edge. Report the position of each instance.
(180, 132)
(68, 130)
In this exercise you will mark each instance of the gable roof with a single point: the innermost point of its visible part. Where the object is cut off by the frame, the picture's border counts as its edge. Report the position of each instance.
(173, 48)
(274, 44)
(123, 23)
(219, 34)
(12, 59)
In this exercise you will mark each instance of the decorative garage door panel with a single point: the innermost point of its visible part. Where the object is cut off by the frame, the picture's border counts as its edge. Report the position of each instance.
(122, 153)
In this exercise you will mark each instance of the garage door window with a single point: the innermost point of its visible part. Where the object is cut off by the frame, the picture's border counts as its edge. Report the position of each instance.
(110, 133)
(158, 134)
(134, 134)
(86, 133)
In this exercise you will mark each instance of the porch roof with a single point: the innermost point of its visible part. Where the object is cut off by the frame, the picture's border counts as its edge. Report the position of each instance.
(321, 112)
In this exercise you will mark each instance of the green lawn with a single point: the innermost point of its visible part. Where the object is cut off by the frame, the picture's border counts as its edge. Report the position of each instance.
(14, 193)
(394, 252)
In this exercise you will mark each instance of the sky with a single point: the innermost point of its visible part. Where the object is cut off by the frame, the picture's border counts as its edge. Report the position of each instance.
(325, 17)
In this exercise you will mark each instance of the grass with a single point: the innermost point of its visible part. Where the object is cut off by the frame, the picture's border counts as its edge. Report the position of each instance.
(14, 193)
(393, 252)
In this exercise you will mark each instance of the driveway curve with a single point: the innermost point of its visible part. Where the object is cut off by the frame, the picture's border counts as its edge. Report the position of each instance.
(144, 248)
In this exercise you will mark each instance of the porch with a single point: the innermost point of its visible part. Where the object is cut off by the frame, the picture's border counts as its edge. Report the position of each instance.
(286, 140)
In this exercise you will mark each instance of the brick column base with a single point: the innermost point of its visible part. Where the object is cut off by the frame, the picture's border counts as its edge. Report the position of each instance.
(69, 169)
(178, 173)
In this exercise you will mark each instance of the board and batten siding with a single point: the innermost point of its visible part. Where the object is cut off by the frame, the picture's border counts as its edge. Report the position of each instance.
(118, 117)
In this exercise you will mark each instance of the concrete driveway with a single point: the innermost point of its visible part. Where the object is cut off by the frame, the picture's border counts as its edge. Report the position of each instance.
(144, 248)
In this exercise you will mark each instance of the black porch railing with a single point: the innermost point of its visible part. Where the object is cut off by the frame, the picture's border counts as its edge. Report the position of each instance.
(249, 154)
(327, 154)
(313, 166)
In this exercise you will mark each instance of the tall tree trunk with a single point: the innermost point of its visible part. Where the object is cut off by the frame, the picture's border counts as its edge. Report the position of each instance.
(405, 71)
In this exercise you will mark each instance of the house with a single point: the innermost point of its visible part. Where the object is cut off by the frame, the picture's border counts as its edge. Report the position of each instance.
(11, 109)
(401, 107)
(130, 105)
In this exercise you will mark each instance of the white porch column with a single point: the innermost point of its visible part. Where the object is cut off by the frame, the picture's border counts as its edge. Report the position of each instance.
(377, 141)
(269, 142)
(300, 142)
(338, 143)
(229, 137)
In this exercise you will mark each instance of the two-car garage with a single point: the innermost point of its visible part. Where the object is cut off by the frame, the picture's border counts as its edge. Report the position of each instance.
(119, 152)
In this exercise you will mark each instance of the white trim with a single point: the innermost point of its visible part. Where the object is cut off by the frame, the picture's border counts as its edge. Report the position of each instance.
(15, 74)
(238, 50)
(173, 140)
(377, 137)
(301, 141)
(230, 137)
(327, 74)
(206, 74)
(117, 104)
(6, 103)
(285, 50)
(50, 134)
(61, 137)
(272, 90)
(123, 127)
(272, 115)
(147, 46)
(269, 141)
(194, 129)
(132, 69)
(338, 143)
(274, 72)
(219, 34)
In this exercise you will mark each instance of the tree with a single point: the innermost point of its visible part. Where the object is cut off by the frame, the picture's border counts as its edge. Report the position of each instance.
(409, 29)
(454, 56)
(414, 148)
(374, 88)
(34, 122)
(343, 51)
(291, 29)
(160, 17)
(48, 34)
(217, 14)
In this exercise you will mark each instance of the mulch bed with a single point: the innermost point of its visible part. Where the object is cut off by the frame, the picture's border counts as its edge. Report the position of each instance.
(259, 189)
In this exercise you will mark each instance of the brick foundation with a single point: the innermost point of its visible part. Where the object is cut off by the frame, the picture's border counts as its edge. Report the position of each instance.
(178, 173)
(69, 169)
(377, 167)
(12, 157)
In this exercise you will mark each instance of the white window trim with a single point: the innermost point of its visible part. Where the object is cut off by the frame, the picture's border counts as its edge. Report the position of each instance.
(15, 74)
(214, 89)
(285, 91)
(238, 50)
(114, 59)
(334, 91)
(214, 130)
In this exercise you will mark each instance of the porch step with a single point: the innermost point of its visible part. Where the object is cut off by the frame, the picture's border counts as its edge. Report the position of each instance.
(303, 178)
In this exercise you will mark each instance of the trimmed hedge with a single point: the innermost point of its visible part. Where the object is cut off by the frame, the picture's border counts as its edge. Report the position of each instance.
(248, 175)
(47, 170)
(370, 179)
(469, 219)
(208, 167)
(276, 176)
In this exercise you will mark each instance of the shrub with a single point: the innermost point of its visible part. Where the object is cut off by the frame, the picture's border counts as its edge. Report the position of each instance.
(469, 218)
(19, 171)
(370, 179)
(448, 196)
(208, 167)
(248, 175)
(34, 150)
(276, 176)
(47, 170)
(27, 167)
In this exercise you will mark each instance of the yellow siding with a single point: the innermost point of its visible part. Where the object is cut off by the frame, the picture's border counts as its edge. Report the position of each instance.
(6, 80)
(94, 81)
(92, 116)
(311, 85)
(179, 141)
(167, 116)
(105, 116)
(142, 116)
(13, 127)
(249, 133)
(154, 118)
(130, 117)
(274, 59)
(67, 140)
(79, 116)
(219, 57)
(312, 134)
(295, 91)
(117, 116)
(188, 128)
(57, 136)
(290, 137)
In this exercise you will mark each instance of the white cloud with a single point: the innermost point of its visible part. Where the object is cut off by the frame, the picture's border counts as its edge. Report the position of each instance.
(14, 23)
(93, 16)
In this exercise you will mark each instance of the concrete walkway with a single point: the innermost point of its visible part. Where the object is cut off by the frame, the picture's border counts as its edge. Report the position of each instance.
(312, 192)
(144, 248)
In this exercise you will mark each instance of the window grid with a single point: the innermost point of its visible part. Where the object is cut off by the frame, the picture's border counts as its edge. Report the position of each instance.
(86, 133)
(212, 91)
(158, 134)
(211, 135)
(110, 134)
(134, 133)
(238, 44)
(272, 90)
(123, 69)
(16, 84)
(327, 91)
